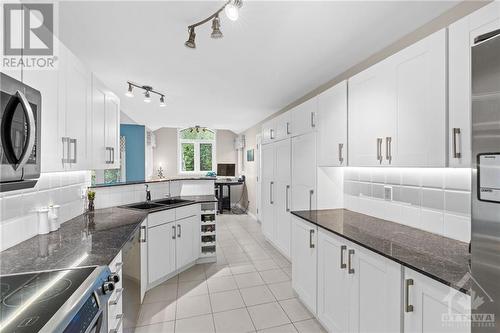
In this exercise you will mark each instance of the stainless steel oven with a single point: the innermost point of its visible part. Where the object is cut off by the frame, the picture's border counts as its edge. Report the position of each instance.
(20, 132)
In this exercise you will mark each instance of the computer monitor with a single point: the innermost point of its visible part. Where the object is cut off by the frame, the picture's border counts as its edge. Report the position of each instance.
(226, 169)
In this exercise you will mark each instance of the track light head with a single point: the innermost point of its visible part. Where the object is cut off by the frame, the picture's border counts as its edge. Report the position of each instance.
(232, 9)
(190, 43)
(216, 33)
(162, 101)
(129, 91)
(147, 97)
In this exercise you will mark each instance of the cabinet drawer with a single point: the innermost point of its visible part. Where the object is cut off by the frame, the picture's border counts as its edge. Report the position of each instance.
(187, 211)
(158, 218)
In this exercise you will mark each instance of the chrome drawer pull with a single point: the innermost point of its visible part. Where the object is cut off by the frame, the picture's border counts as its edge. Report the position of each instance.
(350, 270)
(119, 293)
(408, 306)
(456, 133)
(311, 234)
(117, 327)
(343, 265)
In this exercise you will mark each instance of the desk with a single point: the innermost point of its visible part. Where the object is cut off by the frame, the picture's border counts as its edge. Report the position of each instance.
(225, 203)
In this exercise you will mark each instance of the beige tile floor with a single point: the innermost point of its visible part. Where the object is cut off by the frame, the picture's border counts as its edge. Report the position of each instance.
(248, 290)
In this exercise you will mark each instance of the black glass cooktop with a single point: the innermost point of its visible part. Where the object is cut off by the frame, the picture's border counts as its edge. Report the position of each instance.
(28, 301)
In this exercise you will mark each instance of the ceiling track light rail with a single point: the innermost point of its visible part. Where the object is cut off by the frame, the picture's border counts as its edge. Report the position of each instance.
(148, 90)
(231, 8)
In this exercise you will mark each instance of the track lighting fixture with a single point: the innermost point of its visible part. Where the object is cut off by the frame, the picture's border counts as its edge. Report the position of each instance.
(231, 8)
(148, 90)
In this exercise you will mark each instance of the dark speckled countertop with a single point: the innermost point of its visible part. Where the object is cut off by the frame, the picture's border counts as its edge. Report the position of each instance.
(443, 259)
(96, 236)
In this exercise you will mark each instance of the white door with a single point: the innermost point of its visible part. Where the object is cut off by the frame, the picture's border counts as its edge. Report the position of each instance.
(112, 122)
(334, 285)
(304, 172)
(430, 303)
(375, 293)
(101, 155)
(371, 114)
(282, 151)
(304, 117)
(144, 258)
(258, 177)
(268, 132)
(78, 112)
(420, 92)
(188, 232)
(161, 251)
(304, 262)
(268, 190)
(332, 126)
(283, 126)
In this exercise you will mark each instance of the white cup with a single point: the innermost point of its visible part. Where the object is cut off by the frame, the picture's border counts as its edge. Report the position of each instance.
(54, 217)
(43, 221)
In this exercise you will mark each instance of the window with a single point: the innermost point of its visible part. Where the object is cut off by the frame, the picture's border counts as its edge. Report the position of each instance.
(196, 150)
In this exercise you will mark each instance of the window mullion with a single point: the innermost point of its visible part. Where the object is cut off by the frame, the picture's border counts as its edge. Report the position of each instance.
(197, 157)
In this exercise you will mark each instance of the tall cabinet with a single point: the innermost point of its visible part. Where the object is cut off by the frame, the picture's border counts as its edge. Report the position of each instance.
(304, 172)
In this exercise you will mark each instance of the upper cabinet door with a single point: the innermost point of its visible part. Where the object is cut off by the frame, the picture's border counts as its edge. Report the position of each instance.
(420, 99)
(304, 172)
(371, 114)
(283, 126)
(461, 36)
(304, 117)
(268, 131)
(112, 124)
(332, 126)
(100, 154)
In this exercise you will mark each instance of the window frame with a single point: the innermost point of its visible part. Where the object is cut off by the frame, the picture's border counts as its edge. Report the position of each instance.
(196, 143)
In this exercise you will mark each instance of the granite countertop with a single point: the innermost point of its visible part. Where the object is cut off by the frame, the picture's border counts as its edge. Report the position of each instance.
(97, 236)
(441, 258)
(189, 200)
(152, 181)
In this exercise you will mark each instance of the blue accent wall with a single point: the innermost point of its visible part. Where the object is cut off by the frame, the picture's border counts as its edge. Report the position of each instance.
(134, 151)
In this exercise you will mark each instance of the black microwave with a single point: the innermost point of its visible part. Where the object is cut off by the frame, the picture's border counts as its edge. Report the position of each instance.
(20, 133)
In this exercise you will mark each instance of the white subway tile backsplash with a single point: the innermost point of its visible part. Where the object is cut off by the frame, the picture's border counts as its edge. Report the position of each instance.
(457, 227)
(458, 202)
(410, 177)
(365, 189)
(410, 195)
(432, 221)
(364, 175)
(378, 175)
(433, 198)
(458, 179)
(378, 191)
(433, 178)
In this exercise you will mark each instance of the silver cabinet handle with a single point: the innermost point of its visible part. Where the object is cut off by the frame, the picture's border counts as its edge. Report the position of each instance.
(341, 158)
(271, 201)
(173, 232)
(112, 155)
(408, 306)
(119, 293)
(388, 149)
(143, 232)
(287, 190)
(311, 193)
(311, 235)
(108, 155)
(271, 134)
(313, 119)
(456, 153)
(350, 269)
(179, 231)
(118, 267)
(117, 327)
(74, 143)
(379, 150)
(65, 141)
(343, 265)
(288, 128)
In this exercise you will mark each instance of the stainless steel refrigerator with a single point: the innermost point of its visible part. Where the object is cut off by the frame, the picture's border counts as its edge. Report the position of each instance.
(485, 242)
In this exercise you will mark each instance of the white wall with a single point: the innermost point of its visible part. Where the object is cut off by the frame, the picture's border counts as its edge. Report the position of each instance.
(18, 217)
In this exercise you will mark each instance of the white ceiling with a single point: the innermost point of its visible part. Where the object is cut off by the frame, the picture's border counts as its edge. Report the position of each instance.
(275, 53)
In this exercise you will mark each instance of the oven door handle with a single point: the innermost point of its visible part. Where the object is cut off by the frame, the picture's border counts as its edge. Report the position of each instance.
(6, 129)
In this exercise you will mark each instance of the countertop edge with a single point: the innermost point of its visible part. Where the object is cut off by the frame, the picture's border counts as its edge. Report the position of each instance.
(430, 275)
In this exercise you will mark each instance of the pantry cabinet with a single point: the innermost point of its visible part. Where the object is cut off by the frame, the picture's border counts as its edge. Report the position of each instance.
(304, 172)
(397, 114)
(303, 117)
(282, 205)
(461, 35)
(304, 261)
(268, 190)
(430, 306)
(332, 126)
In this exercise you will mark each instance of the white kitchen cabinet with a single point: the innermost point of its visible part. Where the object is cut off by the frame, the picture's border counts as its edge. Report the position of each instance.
(268, 131)
(105, 127)
(282, 124)
(268, 190)
(303, 117)
(282, 196)
(428, 304)
(115, 302)
(304, 261)
(187, 243)
(304, 172)
(461, 36)
(161, 251)
(397, 108)
(420, 99)
(144, 258)
(358, 290)
(332, 126)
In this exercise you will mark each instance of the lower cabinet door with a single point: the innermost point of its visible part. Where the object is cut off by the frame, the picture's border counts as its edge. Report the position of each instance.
(144, 258)
(333, 283)
(430, 306)
(161, 251)
(186, 250)
(304, 261)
